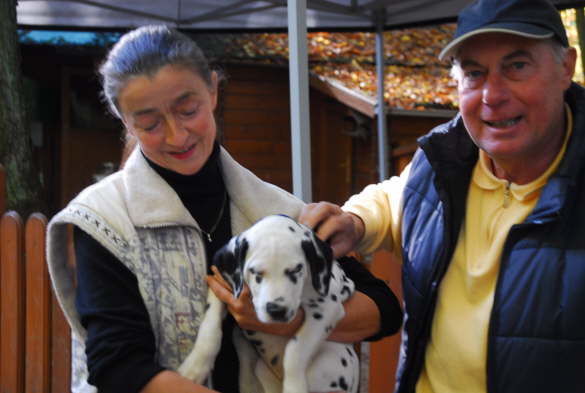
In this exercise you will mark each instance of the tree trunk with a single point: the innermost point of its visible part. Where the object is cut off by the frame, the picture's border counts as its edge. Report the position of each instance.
(22, 180)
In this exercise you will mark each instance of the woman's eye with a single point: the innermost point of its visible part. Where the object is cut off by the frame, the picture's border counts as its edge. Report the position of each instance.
(150, 127)
(188, 111)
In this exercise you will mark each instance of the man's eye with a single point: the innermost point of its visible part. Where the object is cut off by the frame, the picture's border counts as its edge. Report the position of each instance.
(473, 74)
(518, 65)
(519, 70)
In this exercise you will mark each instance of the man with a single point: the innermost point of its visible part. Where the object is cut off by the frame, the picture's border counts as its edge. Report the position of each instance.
(489, 218)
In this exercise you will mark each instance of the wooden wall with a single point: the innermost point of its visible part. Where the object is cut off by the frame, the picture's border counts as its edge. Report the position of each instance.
(256, 131)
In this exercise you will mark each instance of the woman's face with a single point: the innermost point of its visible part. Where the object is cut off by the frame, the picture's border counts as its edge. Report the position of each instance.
(171, 115)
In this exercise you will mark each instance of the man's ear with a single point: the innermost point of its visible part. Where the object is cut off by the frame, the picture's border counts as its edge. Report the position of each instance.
(569, 64)
(214, 89)
(230, 260)
(320, 260)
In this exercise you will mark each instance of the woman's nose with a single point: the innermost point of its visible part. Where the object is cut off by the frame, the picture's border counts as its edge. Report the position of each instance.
(175, 134)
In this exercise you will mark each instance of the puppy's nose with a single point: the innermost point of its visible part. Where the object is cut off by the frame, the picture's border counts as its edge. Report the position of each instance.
(276, 311)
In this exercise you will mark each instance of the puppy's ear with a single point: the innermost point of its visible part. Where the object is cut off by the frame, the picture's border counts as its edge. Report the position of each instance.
(230, 260)
(320, 259)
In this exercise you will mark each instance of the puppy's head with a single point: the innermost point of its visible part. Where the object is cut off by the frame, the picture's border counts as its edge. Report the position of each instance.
(276, 257)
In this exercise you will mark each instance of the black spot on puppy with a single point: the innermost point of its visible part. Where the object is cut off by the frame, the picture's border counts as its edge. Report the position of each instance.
(333, 384)
(317, 315)
(346, 290)
(207, 306)
(334, 297)
(320, 300)
(292, 229)
(342, 384)
(343, 362)
(348, 351)
(256, 343)
(274, 360)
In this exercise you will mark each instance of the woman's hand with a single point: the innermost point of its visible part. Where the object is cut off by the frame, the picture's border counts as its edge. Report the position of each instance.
(340, 229)
(243, 311)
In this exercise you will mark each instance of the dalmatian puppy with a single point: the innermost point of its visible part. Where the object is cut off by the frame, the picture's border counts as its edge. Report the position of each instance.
(286, 266)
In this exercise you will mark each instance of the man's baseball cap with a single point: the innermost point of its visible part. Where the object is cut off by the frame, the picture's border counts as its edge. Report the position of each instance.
(537, 19)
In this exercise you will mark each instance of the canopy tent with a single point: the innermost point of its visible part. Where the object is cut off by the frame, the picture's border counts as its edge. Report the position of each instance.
(296, 16)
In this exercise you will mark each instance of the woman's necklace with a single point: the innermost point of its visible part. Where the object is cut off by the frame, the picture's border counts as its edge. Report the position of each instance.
(217, 221)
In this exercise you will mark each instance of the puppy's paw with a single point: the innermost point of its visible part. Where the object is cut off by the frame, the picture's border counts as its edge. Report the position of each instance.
(196, 368)
(294, 385)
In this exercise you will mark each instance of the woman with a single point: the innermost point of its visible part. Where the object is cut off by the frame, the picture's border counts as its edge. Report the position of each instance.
(144, 236)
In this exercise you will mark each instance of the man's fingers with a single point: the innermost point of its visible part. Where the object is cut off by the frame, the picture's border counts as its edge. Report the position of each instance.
(314, 214)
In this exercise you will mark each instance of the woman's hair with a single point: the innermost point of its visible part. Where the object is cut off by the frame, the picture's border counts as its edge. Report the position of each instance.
(143, 52)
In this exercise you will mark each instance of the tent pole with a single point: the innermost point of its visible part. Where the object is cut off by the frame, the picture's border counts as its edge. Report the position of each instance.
(299, 99)
(383, 164)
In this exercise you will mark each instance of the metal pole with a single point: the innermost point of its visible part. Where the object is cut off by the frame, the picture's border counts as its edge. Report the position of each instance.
(299, 99)
(383, 164)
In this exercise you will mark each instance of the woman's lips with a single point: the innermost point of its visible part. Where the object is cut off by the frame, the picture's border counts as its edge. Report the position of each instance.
(184, 154)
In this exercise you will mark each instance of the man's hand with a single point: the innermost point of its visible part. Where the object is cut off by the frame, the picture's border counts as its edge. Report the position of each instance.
(340, 229)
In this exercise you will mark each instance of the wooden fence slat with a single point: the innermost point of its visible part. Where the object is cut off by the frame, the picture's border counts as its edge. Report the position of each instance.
(60, 350)
(12, 305)
(38, 306)
(2, 190)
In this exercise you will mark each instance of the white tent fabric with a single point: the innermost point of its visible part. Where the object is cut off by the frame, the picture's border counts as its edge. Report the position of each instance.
(236, 14)
(229, 14)
(257, 15)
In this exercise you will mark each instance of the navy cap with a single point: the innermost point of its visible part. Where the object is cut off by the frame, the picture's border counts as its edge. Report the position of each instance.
(537, 19)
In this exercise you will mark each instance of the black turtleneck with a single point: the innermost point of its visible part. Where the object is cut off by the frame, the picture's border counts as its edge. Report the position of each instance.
(120, 345)
(205, 197)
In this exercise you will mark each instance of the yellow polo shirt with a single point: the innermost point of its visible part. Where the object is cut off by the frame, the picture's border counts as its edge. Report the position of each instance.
(457, 351)
(456, 354)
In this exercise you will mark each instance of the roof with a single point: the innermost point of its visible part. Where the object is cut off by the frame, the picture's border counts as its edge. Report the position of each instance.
(415, 80)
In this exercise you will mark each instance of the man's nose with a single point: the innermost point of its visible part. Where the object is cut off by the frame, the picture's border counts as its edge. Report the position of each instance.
(495, 90)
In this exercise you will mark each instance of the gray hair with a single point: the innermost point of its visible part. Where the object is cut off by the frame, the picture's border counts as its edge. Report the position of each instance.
(143, 52)
(558, 49)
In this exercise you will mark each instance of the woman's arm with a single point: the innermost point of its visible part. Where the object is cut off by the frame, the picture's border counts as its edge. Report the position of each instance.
(171, 382)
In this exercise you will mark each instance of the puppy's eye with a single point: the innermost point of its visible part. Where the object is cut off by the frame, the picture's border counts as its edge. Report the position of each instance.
(257, 275)
(295, 270)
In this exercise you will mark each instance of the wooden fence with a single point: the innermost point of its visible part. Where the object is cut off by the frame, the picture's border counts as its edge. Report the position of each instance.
(35, 350)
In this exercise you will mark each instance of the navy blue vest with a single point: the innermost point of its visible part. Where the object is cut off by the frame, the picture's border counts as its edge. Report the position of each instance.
(536, 337)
